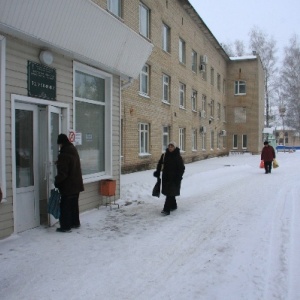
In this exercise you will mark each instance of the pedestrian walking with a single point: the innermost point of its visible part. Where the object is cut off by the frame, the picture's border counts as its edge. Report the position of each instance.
(172, 166)
(267, 155)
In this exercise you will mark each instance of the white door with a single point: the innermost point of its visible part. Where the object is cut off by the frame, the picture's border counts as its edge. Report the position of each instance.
(26, 204)
(54, 129)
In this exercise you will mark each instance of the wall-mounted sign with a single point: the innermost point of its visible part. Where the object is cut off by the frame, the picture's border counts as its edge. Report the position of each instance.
(41, 81)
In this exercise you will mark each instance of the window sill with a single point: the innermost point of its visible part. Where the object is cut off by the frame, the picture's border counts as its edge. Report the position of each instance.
(144, 155)
(165, 102)
(144, 95)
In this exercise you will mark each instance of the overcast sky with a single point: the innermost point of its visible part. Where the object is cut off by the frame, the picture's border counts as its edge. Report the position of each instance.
(232, 19)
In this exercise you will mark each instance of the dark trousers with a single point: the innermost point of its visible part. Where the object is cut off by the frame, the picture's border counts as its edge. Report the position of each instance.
(268, 166)
(170, 203)
(69, 211)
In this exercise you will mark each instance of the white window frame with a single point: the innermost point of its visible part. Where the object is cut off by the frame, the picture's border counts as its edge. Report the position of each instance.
(203, 106)
(182, 51)
(182, 92)
(212, 139)
(235, 141)
(219, 111)
(144, 134)
(212, 108)
(219, 81)
(194, 61)
(108, 117)
(166, 38)
(194, 100)
(244, 141)
(144, 74)
(212, 76)
(115, 7)
(240, 87)
(182, 139)
(166, 88)
(203, 140)
(165, 137)
(194, 139)
(144, 20)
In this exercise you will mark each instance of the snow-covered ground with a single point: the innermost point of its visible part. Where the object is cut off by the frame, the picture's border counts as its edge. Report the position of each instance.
(235, 236)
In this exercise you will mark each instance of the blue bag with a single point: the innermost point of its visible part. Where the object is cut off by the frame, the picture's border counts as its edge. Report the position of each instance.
(54, 203)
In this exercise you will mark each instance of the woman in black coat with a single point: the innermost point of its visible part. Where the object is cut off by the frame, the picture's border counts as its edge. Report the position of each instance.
(69, 182)
(172, 166)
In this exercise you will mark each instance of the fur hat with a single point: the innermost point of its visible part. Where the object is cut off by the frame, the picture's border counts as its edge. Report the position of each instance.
(173, 144)
(266, 143)
(62, 139)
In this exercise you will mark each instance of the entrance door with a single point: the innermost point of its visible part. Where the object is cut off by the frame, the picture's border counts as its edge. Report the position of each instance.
(26, 204)
(54, 129)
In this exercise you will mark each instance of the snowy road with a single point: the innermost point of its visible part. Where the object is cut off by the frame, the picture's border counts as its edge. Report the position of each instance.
(235, 236)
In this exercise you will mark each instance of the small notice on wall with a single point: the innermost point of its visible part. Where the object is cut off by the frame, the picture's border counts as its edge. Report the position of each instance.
(41, 81)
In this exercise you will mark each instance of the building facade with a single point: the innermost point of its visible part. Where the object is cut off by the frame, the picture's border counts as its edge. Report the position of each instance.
(186, 90)
(56, 77)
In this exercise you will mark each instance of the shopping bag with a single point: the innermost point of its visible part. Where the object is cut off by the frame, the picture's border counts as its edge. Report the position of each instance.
(275, 164)
(156, 189)
(262, 164)
(54, 203)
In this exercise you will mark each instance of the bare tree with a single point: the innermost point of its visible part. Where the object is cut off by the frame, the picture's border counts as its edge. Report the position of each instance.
(290, 83)
(265, 47)
(235, 49)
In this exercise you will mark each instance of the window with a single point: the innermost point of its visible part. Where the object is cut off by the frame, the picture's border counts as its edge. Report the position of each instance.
(219, 111)
(224, 86)
(114, 6)
(194, 61)
(165, 138)
(92, 106)
(235, 141)
(182, 55)
(244, 141)
(181, 95)
(166, 38)
(203, 107)
(166, 88)
(144, 21)
(194, 100)
(203, 139)
(219, 82)
(218, 141)
(212, 76)
(194, 139)
(240, 87)
(182, 139)
(144, 81)
(143, 138)
(224, 113)
(212, 108)
(212, 142)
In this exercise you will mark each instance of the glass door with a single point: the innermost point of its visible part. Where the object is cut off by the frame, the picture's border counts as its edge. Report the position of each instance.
(54, 129)
(26, 170)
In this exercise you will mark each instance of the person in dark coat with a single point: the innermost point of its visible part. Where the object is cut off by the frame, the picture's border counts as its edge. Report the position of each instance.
(172, 166)
(267, 155)
(69, 182)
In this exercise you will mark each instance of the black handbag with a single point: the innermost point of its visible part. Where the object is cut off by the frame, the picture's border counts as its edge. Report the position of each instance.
(54, 203)
(156, 189)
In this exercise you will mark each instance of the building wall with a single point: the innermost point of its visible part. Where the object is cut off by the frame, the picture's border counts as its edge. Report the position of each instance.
(251, 104)
(137, 108)
(17, 55)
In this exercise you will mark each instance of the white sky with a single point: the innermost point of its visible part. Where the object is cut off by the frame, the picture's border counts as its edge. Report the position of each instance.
(231, 19)
(235, 236)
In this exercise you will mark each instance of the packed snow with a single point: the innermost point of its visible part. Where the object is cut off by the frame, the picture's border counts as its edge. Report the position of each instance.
(234, 236)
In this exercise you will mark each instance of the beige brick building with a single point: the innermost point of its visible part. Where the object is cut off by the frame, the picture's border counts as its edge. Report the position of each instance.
(186, 91)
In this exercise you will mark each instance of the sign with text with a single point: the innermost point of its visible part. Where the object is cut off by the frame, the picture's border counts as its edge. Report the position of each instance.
(41, 81)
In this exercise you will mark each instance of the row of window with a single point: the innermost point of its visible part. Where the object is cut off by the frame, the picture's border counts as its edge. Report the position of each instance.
(144, 139)
(166, 95)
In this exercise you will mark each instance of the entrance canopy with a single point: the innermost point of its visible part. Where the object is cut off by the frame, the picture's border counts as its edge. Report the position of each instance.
(79, 29)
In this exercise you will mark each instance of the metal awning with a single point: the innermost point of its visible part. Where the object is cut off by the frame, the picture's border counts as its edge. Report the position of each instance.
(79, 29)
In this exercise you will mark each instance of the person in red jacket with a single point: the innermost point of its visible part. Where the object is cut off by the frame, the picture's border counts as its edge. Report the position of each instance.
(267, 155)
